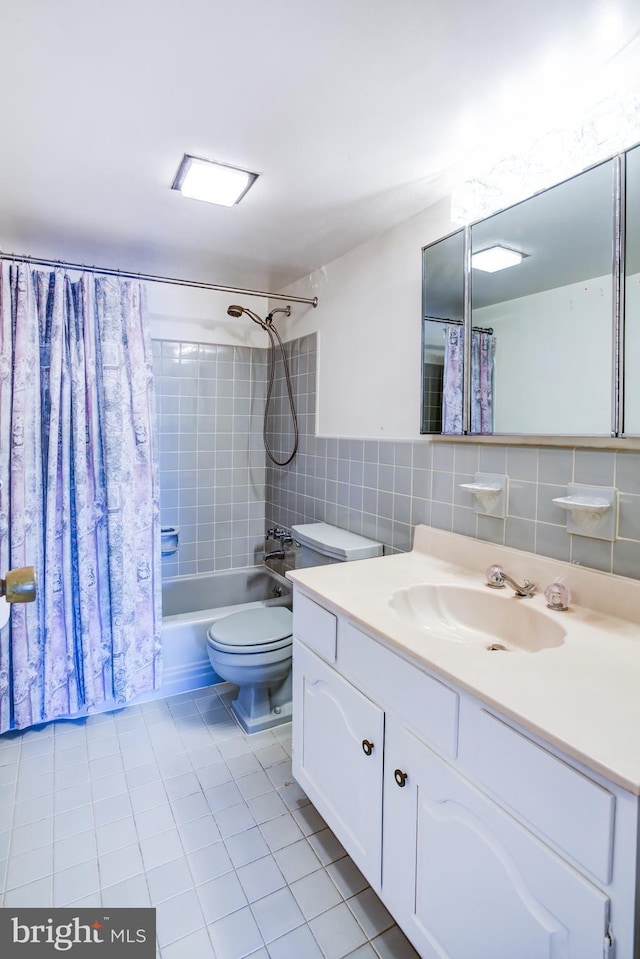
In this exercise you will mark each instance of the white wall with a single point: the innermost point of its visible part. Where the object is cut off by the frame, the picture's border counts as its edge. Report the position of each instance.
(200, 316)
(368, 321)
(553, 360)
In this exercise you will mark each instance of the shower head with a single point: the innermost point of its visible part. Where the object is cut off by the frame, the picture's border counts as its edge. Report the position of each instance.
(237, 311)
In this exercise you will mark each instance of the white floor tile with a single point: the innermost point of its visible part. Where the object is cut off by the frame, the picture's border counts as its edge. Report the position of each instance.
(297, 860)
(277, 914)
(347, 877)
(111, 810)
(246, 847)
(209, 862)
(116, 835)
(37, 893)
(120, 864)
(280, 832)
(76, 882)
(29, 866)
(148, 796)
(155, 820)
(260, 878)
(169, 880)
(74, 850)
(337, 932)
(213, 774)
(190, 807)
(220, 897)
(198, 833)
(393, 944)
(161, 848)
(178, 917)
(185, 784)
(219, 797)
(266, 807)
(309, 819)
(295, 945)
(370, 913)
(315, 894)
(130, 892)
(172, 804)
(326, 846)
(234, 819)
(280, 774)
(27, 838)
(197, 945)
(32, 810)
(235, 936)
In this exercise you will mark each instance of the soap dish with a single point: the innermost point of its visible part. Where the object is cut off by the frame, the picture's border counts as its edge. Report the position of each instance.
(591, 510)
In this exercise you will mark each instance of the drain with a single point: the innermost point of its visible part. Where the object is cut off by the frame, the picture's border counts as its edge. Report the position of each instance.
(496, 646)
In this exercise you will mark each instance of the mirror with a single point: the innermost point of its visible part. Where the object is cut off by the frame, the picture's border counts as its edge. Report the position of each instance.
(554, 350)
(546, 366)
(632, 296)
(442, 318)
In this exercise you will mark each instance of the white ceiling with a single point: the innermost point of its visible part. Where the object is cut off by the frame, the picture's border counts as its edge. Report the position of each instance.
(351, 111)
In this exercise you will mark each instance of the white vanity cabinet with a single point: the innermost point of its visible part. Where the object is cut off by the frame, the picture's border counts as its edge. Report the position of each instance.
(480, 839)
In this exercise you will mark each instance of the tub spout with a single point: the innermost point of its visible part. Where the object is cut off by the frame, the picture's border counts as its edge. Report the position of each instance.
(274, 554)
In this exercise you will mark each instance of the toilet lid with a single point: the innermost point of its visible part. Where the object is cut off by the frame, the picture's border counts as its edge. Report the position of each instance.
(253, 627)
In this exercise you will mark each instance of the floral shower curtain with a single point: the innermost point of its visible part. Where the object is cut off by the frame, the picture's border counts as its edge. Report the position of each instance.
(79, 495)
(482, 359)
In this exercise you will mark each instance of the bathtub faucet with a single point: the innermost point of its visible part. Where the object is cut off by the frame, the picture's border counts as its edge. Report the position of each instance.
(274, 554)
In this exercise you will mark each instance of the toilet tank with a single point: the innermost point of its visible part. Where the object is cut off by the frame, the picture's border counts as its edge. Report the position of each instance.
(323, 544)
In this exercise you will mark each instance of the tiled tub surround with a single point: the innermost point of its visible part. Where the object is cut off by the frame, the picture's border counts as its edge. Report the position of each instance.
(210, 402)
(169, 804)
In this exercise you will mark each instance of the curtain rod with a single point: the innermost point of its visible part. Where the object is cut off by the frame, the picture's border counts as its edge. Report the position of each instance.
(476, 329)
(147, 277)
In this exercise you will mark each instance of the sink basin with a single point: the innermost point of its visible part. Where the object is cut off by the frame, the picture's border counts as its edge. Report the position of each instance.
(474, 616)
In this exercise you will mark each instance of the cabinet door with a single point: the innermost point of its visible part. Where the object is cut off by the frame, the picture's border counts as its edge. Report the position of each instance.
(464, 879)
(337, 756)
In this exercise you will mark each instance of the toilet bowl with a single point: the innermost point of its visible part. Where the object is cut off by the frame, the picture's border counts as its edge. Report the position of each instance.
(253, 648)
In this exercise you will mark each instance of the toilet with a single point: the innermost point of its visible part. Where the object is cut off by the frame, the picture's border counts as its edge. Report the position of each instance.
(253, 648)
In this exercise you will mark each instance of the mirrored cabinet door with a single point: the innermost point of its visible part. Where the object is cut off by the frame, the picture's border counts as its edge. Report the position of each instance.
(632, 297)
(543, 324)
(442, 334)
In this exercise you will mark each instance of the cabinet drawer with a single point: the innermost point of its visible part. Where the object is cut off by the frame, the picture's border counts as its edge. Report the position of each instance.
(563, 805)
(426, 704)
(315, 626)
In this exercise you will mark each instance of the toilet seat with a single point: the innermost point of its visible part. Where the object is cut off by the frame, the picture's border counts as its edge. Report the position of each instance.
(265, 629)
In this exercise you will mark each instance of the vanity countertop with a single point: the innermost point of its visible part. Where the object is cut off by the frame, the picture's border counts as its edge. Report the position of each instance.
(582, 696)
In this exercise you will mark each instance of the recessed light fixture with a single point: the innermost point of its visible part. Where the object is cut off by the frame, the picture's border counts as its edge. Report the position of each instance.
(495, 258)
(211, 181)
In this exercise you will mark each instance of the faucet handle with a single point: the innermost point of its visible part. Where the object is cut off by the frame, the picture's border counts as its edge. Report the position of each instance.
(557, 596)
(495, 576)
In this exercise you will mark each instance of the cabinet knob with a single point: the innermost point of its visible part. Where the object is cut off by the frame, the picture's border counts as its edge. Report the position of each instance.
(367, 747)
(400, 778)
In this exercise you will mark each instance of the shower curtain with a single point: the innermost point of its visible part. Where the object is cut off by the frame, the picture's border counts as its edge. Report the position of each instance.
(482, 360)
(79, 494)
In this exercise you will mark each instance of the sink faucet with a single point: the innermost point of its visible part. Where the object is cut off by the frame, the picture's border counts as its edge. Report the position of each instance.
(498, 579)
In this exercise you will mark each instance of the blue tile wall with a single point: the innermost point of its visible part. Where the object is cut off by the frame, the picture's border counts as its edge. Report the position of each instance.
(383, 488)
(218, 486)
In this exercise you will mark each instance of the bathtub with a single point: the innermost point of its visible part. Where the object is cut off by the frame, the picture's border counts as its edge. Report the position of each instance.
(191, 603)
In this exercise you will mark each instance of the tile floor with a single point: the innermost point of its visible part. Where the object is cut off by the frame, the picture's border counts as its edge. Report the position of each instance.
(169, 804)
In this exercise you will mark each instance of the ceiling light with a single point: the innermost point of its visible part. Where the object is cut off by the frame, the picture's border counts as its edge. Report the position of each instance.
(211, 181)
(495, 258)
